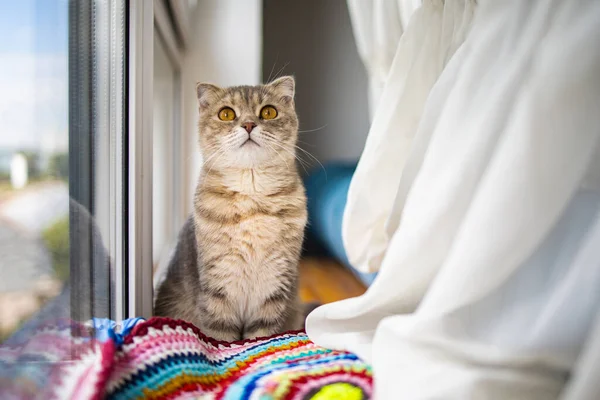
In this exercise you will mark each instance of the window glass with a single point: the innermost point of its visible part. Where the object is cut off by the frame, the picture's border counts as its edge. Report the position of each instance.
(34, 160)
(166, 160)
(63, 184)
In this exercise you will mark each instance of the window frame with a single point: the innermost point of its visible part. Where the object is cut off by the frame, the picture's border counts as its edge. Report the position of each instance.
(169, 20)
(139, 161)
(111, 72)
(97, 132)
(172, 30)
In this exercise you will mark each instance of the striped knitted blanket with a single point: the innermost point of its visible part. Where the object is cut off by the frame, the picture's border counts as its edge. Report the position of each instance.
(165, 358)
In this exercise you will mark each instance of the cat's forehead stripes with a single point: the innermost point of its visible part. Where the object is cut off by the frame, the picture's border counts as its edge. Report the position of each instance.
(246, 94)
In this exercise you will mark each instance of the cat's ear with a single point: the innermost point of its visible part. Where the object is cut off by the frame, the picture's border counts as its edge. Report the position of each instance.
(285, 87)
(206, 92)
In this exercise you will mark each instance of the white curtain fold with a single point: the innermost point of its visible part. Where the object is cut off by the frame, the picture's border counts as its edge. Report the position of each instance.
(434, 32)
(377, 26)
(477, 198)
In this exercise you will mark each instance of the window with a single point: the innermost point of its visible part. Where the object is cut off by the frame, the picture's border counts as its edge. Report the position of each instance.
(34, 158)
(97, 158)
(166, 166)
(63, 142)
(90, 155)
(168, 163)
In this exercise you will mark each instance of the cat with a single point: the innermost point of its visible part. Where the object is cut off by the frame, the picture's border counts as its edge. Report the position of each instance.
(234, 272)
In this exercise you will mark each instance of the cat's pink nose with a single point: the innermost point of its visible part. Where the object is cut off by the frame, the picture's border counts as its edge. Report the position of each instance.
(249, 126)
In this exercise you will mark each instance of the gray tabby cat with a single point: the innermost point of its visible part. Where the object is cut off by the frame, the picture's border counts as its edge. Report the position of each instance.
(235, 269)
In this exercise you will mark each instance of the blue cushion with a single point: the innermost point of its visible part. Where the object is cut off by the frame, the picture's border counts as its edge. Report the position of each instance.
(327, 191)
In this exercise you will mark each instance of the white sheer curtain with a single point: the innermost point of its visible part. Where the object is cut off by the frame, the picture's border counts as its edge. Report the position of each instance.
(377, 27)
(433, 34)
(478, 200)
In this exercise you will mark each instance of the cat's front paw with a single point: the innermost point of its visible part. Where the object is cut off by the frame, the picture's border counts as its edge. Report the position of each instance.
(258, 333)
(225, 336)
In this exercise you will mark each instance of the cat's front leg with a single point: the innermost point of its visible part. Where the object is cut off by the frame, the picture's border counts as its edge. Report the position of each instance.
(258, 333)
(226, 335)
(218, 318)
(278, 314)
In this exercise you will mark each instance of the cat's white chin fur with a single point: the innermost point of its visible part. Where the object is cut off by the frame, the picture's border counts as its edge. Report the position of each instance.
(249, 150)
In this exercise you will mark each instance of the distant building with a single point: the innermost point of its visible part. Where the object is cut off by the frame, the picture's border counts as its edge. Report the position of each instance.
(19, 171)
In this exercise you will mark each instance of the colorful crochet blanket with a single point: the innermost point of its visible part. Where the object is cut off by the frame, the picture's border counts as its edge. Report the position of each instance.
(165, 358)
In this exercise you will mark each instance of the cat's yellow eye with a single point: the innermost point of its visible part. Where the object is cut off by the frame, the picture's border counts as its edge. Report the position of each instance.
(268, 112)
(226, 114)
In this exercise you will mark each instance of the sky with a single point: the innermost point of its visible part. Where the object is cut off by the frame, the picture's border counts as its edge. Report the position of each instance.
(33, 74)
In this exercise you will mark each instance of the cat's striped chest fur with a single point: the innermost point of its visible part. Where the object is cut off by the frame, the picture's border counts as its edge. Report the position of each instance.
(249, 242)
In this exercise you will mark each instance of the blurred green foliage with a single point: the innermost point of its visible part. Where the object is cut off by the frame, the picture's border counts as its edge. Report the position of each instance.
(33, 164)
(58, 166)
(56, 239)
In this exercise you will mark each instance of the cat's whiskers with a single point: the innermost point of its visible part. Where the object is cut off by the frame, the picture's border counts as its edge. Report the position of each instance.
(214, 162)
(278, 74)
(219, 149)
(273, 139)
(314, 158)
(219, 153)
(306, 143)
(205, 162)
(305, 152)
(310, 155)
(266, 142)
(313, 130)
(290, 152)
(273, 68)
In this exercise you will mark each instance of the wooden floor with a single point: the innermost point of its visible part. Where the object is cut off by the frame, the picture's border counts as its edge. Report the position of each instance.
(325, 280)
